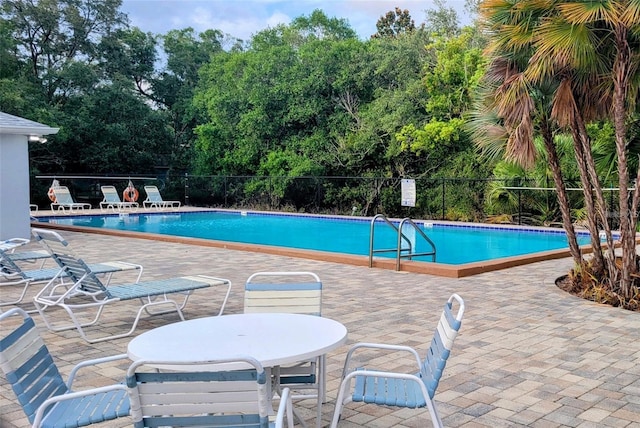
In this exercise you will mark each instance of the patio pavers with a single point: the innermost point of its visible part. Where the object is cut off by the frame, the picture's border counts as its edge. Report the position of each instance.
(527, 354)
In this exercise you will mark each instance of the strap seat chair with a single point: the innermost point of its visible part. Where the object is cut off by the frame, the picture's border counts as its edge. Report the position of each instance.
(213, 398)
(154, 199)
(111, 200)
(46, 399)
(12, 273)
(294, 293)
(88, 293)
(63, 201)
(413, 390)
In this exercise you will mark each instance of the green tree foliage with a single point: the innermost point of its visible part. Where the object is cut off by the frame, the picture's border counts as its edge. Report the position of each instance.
(53, 35)
(451, 74)
(304, 99)
(442, 20)
(76, 66)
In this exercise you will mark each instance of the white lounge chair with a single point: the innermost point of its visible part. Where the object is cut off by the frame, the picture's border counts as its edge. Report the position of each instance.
(293, 293)
(408, 390)
(204, 398)
(154, 199)
(64, 201)
(42, 392)
(88, 293)
(9, 247)
(111, 200)
(12, 274)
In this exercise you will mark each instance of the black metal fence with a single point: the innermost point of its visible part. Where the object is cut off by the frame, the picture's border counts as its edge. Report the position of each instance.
(519, 200)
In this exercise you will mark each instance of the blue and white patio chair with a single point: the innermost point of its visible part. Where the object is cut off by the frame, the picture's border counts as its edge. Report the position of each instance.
(64, 201)
(12, 274)
(88, 293)
(293, 293)
(376, 386)
(188, 398)
(154, 199)
(41, 391)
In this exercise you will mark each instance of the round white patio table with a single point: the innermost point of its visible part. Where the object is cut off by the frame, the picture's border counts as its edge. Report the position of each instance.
(274, 339)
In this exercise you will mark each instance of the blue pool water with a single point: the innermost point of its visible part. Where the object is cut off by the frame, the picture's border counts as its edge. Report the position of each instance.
(455, 244)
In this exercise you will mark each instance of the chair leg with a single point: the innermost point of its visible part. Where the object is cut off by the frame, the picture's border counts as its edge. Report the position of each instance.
(435, 417)
(346, 383)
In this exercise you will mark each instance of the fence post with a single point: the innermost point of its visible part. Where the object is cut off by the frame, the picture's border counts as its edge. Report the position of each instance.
(443, 203)
(186, 188)
(519, 207)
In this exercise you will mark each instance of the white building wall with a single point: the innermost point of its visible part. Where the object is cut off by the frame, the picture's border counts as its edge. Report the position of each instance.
(14, 187)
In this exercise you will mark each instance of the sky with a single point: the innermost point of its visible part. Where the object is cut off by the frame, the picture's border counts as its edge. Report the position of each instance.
(243, 18)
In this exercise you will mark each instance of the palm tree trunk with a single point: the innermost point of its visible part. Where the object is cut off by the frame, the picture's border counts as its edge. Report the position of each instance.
(561, 192)
(598, 260)
(601, 205)
(627, 230)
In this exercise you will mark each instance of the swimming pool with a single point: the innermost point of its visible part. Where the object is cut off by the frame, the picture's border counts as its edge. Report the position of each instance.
(456, 244)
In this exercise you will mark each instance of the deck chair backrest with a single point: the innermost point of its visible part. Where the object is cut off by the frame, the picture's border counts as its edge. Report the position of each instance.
(110, 194)
(198, 398)
(441, 344)
(27, 363)
(75, 267)
(153, 194)
(286, 292)
(63, 195)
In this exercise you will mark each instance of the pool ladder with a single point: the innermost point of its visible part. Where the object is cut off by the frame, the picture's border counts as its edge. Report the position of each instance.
(407, 251)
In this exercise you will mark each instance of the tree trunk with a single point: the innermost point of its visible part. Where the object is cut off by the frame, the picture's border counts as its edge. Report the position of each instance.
(598, 260)
(627, 229)
(561, 192)
(601, 205)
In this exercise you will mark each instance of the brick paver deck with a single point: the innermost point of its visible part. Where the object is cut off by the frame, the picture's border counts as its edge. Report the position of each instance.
(527, 355)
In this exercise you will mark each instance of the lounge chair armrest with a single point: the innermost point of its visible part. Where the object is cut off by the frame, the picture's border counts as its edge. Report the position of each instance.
(92, 362)
(70, 396)
(379, 347)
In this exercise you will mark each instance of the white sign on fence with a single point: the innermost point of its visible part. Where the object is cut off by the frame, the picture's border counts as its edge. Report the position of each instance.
(408, 187)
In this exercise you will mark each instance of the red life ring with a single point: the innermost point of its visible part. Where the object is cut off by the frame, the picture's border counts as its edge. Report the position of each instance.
(130, 194)
(51, 194)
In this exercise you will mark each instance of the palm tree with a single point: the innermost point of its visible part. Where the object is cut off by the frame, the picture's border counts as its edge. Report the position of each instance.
(596, 46)
(513, 107)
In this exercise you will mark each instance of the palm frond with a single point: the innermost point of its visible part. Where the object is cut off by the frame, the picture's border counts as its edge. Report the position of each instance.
(564, 105)
(569, 45)
(585, 12)
(631, 15)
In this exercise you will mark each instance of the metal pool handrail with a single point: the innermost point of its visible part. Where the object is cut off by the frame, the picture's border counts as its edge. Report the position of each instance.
(399, 250)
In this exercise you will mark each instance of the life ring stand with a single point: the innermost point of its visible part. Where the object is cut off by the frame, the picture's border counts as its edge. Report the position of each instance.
(130, 194)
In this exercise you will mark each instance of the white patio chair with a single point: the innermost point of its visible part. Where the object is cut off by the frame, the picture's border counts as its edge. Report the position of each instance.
(294, 293)
(415, 390)
(42, 392)
(237, 398)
